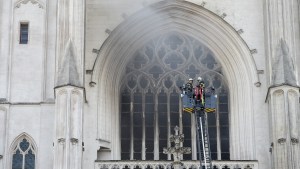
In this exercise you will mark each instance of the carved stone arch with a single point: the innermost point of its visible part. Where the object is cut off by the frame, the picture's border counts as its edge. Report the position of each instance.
(125, 165)
(20, 2)
(161, 89)
(145, 82)
(279, 122)
(164, 78)
(140, 166)
(149, 166)
(278, 92)
(159, 166)
(21, 136)
(223, 80)
(130, 81)
(167, 166)
(206, 27)
(16, 141)
(174, 75)
(115, 166)
(180, 77)
(293, 90)
(293, 111)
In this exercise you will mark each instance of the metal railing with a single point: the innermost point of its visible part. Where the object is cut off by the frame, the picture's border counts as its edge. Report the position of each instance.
(168, 164)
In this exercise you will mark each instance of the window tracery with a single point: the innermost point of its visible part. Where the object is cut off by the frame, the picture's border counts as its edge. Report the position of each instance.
(23, 154)
(150, 97)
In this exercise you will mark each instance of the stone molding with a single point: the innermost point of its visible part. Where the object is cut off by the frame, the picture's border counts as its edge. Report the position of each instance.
(20, 2)
(283, 87)
(167, 164)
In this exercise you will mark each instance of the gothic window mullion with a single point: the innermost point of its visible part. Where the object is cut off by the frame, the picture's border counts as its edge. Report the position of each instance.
(156, 133)
(131, 127)
(169, 122)
(180, 114)
(193, 138)
(218, 132)
(144, 127)
(23, 162)
(180, 120)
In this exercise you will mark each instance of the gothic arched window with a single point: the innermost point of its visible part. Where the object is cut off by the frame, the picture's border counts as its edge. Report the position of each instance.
(151, 104)
(23, 155)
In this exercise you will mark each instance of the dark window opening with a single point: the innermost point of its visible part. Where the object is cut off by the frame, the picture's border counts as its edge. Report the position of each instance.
(24, 31)
(150, 99)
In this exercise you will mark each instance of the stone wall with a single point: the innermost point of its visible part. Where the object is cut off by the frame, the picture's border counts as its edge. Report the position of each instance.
(27, 77)
(27, 73)
(102, 19)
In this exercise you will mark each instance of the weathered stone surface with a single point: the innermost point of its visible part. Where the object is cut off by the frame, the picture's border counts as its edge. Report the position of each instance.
(28, 73)
(283, 69)
(68, 72)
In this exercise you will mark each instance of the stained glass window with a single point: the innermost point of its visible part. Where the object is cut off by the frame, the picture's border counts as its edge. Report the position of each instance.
(23, 155)
(151, 104)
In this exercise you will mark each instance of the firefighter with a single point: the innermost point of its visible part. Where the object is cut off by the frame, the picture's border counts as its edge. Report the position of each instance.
(199, 94)
(189, 85)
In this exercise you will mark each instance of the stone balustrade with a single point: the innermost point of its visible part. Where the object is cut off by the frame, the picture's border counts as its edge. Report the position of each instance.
(167, 164)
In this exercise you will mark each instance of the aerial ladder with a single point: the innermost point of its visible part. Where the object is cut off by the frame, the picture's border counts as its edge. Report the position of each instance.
(198, 101)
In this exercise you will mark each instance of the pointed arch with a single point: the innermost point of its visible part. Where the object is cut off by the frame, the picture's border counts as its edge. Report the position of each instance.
(210, 29)
(21, 136)
(23, 152)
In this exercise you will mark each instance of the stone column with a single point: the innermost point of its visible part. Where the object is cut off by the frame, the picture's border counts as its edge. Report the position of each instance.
(284, 110)
(70, 28)
(3, 133)
(69, 102)
(69, 91)
(282, 37)
(282, 23)
(284, 105)
(5, 41)
(68, 127)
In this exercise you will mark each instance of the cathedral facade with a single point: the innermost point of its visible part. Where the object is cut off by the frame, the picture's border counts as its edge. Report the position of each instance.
(94, 84)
